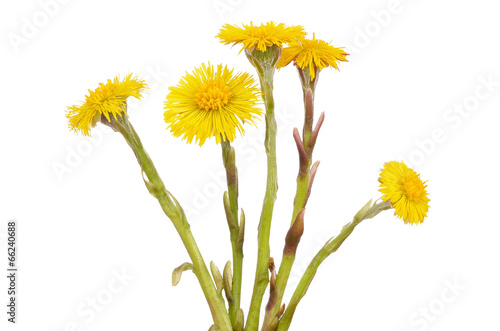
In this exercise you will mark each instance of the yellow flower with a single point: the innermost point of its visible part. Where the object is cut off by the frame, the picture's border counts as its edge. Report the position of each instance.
(108, 99)
(405, 190)
(312, 53)
(260, 37)
(211, 103)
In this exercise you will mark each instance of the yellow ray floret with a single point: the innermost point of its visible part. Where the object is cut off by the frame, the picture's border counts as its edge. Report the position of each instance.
(108, 99)
(311, 54)
(212, 103)
(260, 37)
(405, 190)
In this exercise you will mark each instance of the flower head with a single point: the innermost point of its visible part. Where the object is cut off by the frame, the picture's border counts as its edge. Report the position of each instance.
(260, 37)
(108, 99)
(312, 54)
(405, 190)
(211, 103)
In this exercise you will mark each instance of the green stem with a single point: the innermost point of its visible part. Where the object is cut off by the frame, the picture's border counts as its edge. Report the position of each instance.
(261, 275)
(301, 194)
(229, 159)
(174, 211)
(330, 247)
(288, 259)
(237, 280)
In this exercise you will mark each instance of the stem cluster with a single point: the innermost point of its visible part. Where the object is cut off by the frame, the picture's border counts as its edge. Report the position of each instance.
(276, 316)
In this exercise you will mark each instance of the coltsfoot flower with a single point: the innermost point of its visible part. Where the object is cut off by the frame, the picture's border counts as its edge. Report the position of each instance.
(260, 37)
(108, 99)
(312, 54)
(405, 190)
(212, 103)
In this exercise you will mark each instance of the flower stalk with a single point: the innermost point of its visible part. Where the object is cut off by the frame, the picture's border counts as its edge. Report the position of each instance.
(305, 178)
(265, 63)
(176, 214)
(308, 84)
(236, 228)
(331, 246)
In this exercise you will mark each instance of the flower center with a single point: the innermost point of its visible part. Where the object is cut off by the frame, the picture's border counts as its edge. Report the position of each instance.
(413, 186)
(258, 32)
(212, 95)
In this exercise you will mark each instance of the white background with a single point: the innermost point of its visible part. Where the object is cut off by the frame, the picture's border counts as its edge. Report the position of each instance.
(412, 63)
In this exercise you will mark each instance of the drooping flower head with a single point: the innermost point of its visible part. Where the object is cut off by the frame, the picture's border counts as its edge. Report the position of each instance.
(212, 103)
(405, 190)
(260, 37)
(312, 54)
(107, 99)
